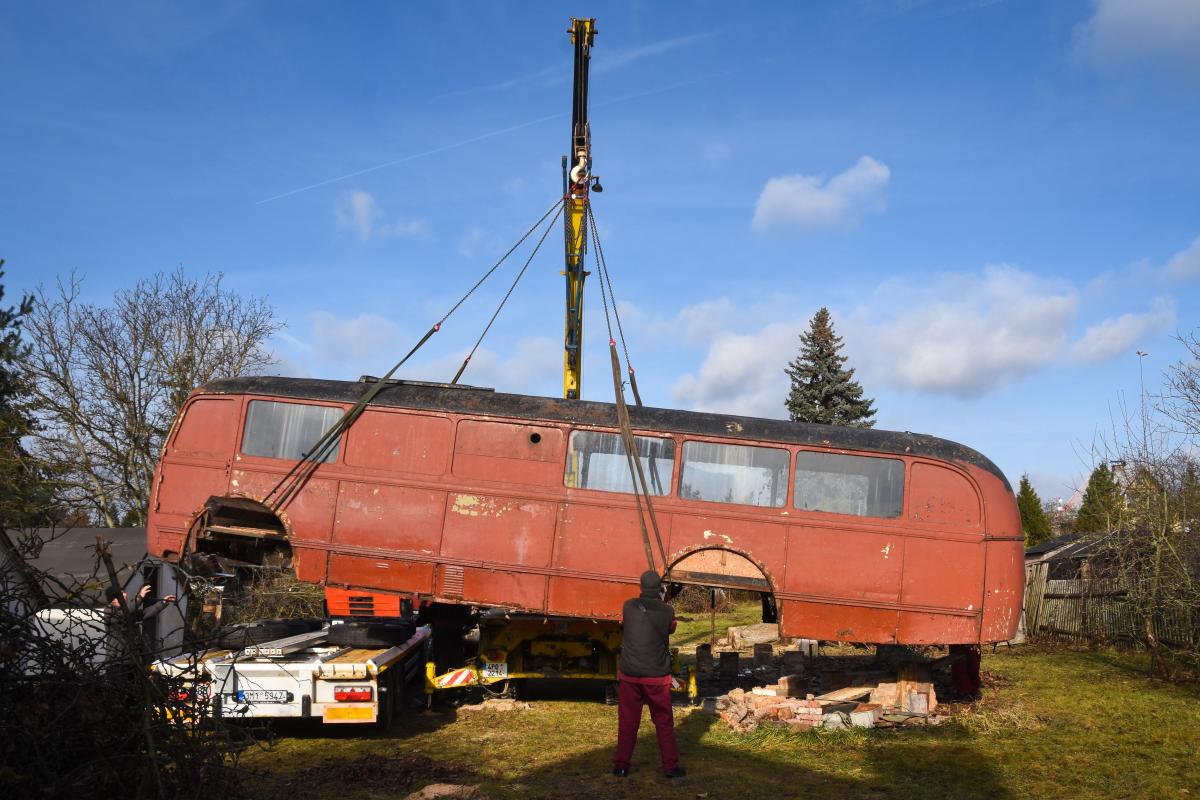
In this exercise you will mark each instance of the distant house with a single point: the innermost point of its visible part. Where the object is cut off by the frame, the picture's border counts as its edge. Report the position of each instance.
(1066, 557)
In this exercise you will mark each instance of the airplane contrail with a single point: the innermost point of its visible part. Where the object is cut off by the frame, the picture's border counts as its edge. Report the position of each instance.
(413, 157)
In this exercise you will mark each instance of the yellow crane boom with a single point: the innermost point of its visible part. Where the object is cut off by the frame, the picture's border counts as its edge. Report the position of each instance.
(577, 181)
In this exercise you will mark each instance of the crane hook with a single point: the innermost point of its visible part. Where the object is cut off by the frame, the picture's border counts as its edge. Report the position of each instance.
(578, 172)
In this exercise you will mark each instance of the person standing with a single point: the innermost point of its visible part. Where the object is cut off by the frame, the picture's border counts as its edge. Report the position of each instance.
(645, 676)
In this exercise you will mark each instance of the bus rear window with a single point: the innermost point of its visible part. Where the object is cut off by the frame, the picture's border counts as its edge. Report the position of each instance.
(597, 461)
(287, 430)
(856, 485)
(727, 473)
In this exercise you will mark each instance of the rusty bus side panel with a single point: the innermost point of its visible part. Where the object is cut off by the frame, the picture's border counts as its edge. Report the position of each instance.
(460, 507)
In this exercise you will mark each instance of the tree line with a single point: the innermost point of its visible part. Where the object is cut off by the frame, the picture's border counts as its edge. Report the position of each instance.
(89, 390)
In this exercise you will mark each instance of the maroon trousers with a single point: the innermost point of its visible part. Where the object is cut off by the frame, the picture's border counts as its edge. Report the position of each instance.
(631, 696)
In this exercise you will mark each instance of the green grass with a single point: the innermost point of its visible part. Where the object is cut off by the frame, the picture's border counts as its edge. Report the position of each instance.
(694, 629)
(1061, 723)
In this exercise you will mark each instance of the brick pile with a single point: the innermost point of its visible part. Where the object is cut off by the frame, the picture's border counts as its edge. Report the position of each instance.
(785, 704)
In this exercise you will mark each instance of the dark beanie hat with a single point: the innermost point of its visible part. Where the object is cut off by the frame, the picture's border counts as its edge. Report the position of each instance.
(651, 583)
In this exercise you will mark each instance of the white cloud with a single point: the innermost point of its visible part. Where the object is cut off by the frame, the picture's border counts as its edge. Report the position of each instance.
(812, 203)
(1118, 336)
(412, 229)
(742, 373)
(351, 340)
(358, 211)
(479, 242)
(962, 334)
(534, 367)
(698, 323)
(1125, 32)
(1186, 263)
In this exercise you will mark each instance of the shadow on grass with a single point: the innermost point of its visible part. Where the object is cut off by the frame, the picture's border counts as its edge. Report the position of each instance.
(1135, 664)
(718, 767)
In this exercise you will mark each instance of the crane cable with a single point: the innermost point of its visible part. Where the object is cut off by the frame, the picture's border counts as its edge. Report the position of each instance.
(602, 267)
(637, 477)
(296, 477)
(507, 295)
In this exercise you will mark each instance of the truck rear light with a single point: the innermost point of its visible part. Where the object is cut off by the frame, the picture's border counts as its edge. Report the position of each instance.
(352, 694)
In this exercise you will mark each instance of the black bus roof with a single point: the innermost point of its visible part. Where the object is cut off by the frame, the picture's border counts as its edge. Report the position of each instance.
(474, 400)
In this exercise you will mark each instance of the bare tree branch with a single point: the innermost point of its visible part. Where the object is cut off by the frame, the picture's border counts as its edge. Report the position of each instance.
(109, 380)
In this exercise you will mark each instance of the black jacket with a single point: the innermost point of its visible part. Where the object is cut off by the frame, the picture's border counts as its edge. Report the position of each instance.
(645, 645)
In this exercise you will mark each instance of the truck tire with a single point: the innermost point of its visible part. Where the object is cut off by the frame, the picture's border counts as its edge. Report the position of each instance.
(236, 637)
(370, 634)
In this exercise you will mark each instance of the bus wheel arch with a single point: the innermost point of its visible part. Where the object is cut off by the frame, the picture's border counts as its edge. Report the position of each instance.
(242, 528)
(726, 567)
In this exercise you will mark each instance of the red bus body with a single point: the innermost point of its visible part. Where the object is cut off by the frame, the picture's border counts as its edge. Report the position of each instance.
(461, 495)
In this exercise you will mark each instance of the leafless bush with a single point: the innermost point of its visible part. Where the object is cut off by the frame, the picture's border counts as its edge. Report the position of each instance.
(81, 714)
(275, 594)
(700, 599)
(1151, 563)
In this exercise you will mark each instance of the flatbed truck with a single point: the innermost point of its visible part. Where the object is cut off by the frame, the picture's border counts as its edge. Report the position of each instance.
(304, 676)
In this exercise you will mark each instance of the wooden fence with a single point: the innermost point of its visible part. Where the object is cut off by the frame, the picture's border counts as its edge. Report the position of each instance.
(1096, 610)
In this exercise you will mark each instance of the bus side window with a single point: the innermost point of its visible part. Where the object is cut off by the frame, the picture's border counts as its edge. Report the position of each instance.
(597, 461)
(287, 430)
(857, 485)
(730, 473)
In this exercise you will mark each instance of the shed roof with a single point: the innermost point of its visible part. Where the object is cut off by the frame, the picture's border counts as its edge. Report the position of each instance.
(69, 556)
(1072, 545)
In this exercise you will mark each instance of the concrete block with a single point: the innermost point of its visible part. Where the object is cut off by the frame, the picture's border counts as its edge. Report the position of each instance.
(763, 654)
(793, 685)
(729, 665)
(833, 722)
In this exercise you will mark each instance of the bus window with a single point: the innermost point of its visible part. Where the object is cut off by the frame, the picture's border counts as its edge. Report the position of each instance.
(286, 430)
(858, 485)
(597, 461)
(728, 473)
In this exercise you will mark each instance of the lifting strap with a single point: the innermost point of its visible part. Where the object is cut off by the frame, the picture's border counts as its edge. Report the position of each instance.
(636, 475)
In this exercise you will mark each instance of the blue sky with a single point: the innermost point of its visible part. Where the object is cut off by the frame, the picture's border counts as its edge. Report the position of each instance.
(996, 200)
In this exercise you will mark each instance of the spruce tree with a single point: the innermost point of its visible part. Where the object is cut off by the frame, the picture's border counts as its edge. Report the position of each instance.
(1103, 503)
(1034, 523)
(25, 494)
(823, 390)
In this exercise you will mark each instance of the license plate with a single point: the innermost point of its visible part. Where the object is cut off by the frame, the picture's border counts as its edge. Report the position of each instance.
(495, 670)
(263, 696)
